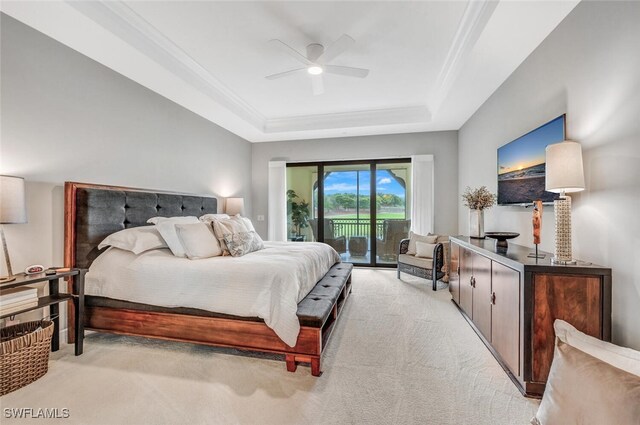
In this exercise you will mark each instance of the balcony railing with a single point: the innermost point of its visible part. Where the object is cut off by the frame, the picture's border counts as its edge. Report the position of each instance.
(355, 227)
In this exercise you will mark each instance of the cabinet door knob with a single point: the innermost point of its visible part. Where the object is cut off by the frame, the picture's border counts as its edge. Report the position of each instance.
(473, 281)
(493, 298)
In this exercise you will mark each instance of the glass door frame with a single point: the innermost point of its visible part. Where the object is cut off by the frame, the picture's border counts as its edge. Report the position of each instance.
(372, 199)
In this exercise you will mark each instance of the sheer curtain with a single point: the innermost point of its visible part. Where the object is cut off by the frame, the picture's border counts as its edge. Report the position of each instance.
(277, 206)
(422, 217)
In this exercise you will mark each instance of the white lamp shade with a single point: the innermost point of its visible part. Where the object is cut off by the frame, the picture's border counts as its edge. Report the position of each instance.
(234, 206)
(564, 172)
(13, 206)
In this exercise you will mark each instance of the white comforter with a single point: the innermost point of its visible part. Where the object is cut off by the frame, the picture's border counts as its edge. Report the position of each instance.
(267, 284)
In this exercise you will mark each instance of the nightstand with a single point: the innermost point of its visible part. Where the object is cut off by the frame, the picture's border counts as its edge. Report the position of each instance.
(53, 300)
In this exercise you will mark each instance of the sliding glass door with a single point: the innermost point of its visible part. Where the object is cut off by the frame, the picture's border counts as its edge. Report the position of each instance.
(360, 208)
(392, 209)
(347, 210)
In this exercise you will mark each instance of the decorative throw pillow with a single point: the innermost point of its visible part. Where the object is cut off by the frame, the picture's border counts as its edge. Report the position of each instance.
(198, 240)
(227, 226)
(242, 243)
(414, 237)
(208, 218)
(167, 228)
(135, 239)
(583, 390)
(425, 250)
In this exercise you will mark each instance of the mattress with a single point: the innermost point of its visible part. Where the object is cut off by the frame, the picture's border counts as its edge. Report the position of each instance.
(267, 284)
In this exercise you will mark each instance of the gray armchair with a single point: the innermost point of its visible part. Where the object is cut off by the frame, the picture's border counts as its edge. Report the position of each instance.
(426, 268)
(339, 243)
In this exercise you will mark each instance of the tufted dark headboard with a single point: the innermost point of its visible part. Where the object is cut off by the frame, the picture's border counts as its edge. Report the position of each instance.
(94, 211)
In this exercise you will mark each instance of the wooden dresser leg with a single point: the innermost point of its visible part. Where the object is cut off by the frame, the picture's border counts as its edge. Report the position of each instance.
(291, 362)
(315, 366)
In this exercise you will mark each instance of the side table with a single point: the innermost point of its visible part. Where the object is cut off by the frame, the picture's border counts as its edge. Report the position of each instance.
(53, 300)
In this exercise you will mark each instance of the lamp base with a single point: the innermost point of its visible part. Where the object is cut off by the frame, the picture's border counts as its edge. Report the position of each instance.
(562, 210)
(5, 279)
(563, 262)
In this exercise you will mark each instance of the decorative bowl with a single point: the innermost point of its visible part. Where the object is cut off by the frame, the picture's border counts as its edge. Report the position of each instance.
(501, 238)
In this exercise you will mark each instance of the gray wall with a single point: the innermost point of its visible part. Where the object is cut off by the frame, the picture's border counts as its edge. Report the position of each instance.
(66, 117)
(442, 145)
(589, 67)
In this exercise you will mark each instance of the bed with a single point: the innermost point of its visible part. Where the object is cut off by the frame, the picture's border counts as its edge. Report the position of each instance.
(94, 211)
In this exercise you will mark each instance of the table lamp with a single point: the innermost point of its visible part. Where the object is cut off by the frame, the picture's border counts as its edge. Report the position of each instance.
(13, 210)
(234, 206)
(564, 174)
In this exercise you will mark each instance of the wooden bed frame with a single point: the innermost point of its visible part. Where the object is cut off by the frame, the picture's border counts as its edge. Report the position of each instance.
(238, 333)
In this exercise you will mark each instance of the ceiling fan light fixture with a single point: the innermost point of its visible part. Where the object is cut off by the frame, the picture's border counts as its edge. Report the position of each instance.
(315, 70)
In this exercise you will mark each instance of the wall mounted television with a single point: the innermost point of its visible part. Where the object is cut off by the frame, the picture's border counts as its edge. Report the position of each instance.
(521, 165)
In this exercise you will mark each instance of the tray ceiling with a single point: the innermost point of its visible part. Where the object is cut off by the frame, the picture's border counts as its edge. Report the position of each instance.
(432, 64)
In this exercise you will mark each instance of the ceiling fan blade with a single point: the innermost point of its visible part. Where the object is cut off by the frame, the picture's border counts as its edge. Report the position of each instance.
(337, 48)
(291, 51)
(317, 84)
(283, 74)
(346, 71)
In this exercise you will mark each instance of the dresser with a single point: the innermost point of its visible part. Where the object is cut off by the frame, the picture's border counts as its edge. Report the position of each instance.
(512, 300)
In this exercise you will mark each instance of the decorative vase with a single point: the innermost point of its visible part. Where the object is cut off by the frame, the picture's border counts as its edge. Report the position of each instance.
(476, 224)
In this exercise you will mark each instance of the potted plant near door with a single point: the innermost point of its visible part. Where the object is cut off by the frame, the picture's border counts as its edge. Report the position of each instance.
(299, 212)
(477, 200)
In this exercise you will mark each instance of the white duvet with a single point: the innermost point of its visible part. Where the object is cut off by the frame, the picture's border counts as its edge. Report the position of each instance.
(267, 284)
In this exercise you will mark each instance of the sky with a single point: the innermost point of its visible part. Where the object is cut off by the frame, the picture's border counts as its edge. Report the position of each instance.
(528, 150)
(347, 182)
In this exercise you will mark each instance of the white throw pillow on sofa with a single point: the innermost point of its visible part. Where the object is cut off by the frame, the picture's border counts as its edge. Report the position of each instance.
(425, 250)
(198, 240)
(414, 237)
(167, 228)
(135, 239)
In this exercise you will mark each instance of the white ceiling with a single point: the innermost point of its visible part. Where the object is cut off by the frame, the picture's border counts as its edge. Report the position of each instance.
(432, 64)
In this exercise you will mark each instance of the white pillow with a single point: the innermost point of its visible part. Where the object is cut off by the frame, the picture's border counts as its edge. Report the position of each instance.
(425, 250)
(156, 220)
(620, 357)
(208, 218)
(584, 390)
(590, 382)
(135, 239)
(414, 237)
(167, 228)
(248, 223)
(198, 240)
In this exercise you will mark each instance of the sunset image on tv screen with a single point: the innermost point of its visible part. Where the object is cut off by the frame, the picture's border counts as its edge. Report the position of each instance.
(521, 165)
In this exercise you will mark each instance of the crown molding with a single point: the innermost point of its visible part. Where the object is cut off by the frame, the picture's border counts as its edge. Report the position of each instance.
(362, 118)
(474, 20)
(125, 23)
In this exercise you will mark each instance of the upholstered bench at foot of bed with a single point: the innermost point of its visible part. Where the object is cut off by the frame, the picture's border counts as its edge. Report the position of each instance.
(320, 309)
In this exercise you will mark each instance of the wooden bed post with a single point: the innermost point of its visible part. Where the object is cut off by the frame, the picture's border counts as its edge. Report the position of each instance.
(69, 251)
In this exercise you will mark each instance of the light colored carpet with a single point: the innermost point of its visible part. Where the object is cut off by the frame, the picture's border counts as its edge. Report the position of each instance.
(401, 354)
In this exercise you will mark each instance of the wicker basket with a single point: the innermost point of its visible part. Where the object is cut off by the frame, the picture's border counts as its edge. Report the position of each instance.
(24, 354)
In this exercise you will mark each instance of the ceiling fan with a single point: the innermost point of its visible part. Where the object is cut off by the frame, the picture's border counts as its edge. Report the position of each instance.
(316, 62)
